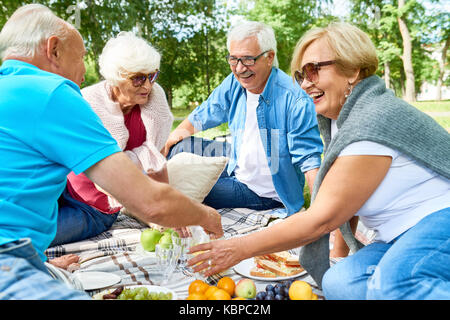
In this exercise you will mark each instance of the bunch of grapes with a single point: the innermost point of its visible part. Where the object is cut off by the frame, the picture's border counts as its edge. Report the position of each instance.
(140, 293)
(280, 291)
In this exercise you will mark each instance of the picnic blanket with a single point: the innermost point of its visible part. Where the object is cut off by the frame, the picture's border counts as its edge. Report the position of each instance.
(117, 250)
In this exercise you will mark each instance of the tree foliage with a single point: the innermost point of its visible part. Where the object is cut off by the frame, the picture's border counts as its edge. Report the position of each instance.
(290, 19)
(191, 35)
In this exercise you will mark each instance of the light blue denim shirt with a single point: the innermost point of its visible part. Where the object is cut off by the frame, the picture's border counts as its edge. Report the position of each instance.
(287, 125)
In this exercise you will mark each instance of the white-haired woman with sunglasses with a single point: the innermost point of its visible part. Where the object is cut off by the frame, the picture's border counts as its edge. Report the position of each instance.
(384, 161)
(134, 109)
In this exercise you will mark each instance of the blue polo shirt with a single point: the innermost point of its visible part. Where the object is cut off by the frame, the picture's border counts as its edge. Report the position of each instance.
(287, 124)
(46, 131)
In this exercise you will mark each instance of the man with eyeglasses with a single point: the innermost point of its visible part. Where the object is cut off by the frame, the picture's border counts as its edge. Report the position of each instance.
(275, 138)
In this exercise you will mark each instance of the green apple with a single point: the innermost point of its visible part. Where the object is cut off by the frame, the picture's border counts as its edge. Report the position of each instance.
(169, 230)
(149, 239)
(175, 235)
(245, 288)
(166, 240)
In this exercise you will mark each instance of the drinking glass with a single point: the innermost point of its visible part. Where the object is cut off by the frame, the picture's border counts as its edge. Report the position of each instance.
(167, 257)
(185, 244)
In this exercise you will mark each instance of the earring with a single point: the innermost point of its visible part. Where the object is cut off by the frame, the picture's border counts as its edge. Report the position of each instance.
(350, 89)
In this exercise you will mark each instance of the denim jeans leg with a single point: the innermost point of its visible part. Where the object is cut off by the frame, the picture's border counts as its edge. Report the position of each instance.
(201, 147)
(416, 266)
(229, 192)
(349, 278)
(78, 221)
(23, 276)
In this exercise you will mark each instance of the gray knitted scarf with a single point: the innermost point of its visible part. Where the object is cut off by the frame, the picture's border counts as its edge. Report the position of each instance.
(373, 113)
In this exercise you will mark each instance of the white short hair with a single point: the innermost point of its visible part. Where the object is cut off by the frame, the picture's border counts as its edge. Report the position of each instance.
(28, 28)
(127, 54)
(264, 34)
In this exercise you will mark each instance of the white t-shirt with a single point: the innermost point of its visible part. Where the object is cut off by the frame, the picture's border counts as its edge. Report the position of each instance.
(252, 167)
(408, 193)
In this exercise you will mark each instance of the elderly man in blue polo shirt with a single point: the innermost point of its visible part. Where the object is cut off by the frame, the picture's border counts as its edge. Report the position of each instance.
(48, 130)
(275, 137)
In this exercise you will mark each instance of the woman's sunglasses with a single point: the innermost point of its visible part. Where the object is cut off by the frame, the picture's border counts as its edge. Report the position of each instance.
(310, 71)
(139, 79)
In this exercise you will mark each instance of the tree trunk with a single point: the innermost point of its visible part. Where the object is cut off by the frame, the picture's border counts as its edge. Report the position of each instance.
(169, 97)
(387, 74)
(410, 91)
(208, 85)
(442, 69)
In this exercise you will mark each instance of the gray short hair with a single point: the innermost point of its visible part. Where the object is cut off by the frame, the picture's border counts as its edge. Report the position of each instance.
(27, 28)
(127, 54)
(263, 32)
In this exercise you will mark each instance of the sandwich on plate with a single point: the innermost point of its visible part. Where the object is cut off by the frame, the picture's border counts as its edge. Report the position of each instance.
(278, 264)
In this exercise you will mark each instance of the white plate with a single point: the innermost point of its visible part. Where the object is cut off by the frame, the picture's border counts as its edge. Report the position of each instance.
(244, 267)
(98, 296)
(91, 280)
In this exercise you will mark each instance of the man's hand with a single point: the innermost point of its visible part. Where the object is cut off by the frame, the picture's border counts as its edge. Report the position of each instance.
(171, 141)
(213, 223)
(184, 129)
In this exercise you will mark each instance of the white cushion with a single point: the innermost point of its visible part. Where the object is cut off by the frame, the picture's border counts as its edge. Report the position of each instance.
(194, 175)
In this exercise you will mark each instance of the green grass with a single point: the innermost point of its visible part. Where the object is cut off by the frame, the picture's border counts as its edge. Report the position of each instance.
(443, 121)
(436, 106)
(433, 106)
(207, 134)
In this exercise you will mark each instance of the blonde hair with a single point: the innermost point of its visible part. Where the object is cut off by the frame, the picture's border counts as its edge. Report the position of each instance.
(27, 28)
(127, 54)
(352, 47)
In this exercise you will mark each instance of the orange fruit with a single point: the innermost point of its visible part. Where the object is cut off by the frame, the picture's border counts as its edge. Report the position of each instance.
(227, 284)
(210, 291)
(196, 296)
(238, 298)
(219, 294)
(198, 286)
(300, 290)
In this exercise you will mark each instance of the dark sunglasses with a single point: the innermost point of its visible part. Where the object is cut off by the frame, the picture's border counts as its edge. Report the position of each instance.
(310, 71)
(246, 61)
(139, 79)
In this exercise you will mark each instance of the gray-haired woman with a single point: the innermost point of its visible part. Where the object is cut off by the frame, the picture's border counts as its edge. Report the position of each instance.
(134, 109)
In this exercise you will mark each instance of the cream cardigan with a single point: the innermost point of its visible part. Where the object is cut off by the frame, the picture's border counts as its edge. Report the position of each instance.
(155, 115)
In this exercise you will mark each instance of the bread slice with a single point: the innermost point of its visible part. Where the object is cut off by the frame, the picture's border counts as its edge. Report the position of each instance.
(285, 257)
(279, 268)
(263, 273)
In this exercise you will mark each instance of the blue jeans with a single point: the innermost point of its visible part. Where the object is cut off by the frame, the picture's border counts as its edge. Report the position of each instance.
(415, 266)
(23, 276)
(228, 192)
(79, 221)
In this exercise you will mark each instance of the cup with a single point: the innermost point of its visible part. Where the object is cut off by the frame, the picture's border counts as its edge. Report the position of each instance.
(167, 256)
(185, 244)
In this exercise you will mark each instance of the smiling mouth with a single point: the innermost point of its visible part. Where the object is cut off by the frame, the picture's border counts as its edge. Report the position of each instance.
(316, 96)
(245, 75)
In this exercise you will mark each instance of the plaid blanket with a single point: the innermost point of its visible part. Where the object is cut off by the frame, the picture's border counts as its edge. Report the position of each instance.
(117, 250)
(124, 235)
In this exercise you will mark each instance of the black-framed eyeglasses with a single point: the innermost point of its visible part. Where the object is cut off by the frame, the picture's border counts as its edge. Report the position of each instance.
(246, 61)
(310, 71)
(139, 79)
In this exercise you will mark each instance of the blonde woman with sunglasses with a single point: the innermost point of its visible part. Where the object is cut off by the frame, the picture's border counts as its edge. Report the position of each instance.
(134, 109)
(384, 161)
